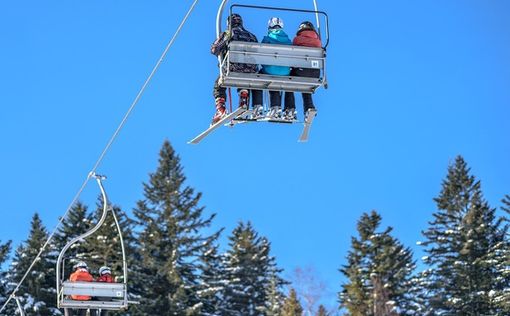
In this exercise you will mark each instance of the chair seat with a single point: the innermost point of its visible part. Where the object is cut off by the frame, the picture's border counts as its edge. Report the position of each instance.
(106, 305)
(270, 82)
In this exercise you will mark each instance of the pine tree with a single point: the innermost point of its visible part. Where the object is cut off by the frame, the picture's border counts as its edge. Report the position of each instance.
(212, 281)
(379, 272)
(291, 306)
(322, 311)
(249, 269)
(460, 242)
(170, 241)
(104, 247)
(38, 290)
(5, 249)
(500, 257)
(275, 297)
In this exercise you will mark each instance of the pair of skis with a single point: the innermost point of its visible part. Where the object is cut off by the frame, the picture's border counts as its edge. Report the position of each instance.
(238, 116)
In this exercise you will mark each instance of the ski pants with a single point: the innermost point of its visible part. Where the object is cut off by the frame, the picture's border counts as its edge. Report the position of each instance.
(275, 99)
(290, 101)
(220, 92)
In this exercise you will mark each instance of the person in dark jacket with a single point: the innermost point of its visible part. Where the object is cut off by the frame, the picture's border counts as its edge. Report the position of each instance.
(234, 32)
(306, 36)
(275, 35)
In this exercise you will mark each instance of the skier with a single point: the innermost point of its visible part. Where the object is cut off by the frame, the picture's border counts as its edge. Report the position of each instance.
(80, 274)
(105, 275)
(305, 36)
(235, 32)
(275, 35)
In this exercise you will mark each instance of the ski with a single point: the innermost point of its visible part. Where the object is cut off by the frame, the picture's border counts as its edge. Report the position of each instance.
(242, 118)
(240, 111)
(278, 120)
(307, 125)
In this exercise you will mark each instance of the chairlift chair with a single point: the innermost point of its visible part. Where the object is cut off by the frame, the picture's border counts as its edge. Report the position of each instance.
(109, 296)
(273, 54)
(269, 54)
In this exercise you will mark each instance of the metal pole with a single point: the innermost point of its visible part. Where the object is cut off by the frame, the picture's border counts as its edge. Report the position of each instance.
(218, 29)
(219, 17)
(20, 309)
(317, 17)
(124, 262)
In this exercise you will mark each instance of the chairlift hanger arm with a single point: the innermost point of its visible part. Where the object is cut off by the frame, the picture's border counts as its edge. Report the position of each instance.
(84, 235)
(20, 308)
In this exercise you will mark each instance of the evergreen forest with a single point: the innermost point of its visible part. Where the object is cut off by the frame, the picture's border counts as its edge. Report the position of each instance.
(178, 266)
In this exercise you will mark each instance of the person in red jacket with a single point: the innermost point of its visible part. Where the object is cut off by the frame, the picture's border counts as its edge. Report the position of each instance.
(105, 275)
(81, 274)
(305, 36)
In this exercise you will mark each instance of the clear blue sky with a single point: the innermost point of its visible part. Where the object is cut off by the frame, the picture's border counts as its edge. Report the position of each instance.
(412, 85)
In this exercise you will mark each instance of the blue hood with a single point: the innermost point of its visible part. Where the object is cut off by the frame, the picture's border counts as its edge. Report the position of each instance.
(276, 36)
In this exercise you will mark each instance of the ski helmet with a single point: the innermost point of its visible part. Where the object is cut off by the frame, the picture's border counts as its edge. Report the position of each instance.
(275, 23)
(306, 25)
(234, 20)
(105, 270)
(81, 264)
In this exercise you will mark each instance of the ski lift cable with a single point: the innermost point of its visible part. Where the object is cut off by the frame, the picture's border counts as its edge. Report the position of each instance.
(105, 150)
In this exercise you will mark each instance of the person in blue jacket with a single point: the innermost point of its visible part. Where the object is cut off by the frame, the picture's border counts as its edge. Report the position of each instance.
(276, 35)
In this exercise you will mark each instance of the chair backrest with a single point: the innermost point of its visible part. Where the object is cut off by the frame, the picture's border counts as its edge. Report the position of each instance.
(276, 54)
(97, 289)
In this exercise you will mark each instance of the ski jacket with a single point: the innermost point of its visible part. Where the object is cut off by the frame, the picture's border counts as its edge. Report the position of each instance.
(308, 38)
(105, 278)
(108, 279)
(276, 36)
(220, 45)
(81, 275)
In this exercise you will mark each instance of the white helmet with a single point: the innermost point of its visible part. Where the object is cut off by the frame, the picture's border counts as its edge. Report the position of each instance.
(105, 270)
(81, 264)
(274, 23)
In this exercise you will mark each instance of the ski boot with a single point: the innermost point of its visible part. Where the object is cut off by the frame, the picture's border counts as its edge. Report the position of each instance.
(290, 114)
(244, 98)
(221, 111)
(310, 114)
(274, 113)
(257, 112)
